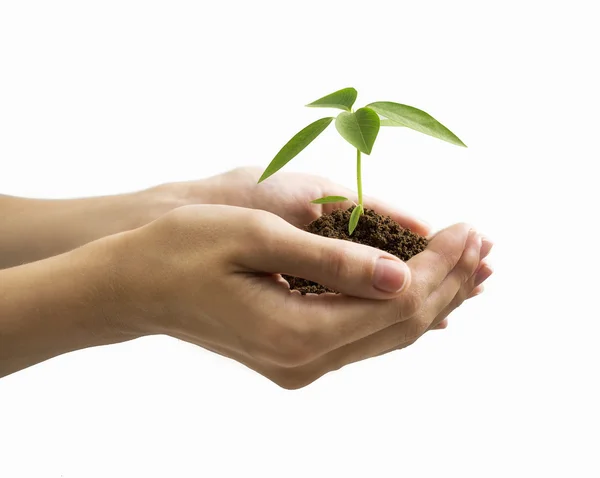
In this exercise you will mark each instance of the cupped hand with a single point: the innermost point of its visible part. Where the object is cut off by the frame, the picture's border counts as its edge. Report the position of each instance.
(210, 275)
(289, 196)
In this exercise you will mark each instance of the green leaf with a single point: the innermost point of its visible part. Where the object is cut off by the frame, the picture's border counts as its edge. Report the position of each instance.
(295, 145)
(389, 122)
(354, 217)
(359, 129)
(342, 99)
(416, 119)
(329, 200)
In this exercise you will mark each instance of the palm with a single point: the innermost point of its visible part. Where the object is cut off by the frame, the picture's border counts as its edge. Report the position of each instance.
(289, 194)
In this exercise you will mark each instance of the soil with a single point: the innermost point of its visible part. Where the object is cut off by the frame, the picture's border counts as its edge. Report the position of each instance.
(372, 230)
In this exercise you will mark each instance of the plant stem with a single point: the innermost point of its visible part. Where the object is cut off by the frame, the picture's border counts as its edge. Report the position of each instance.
(359, 179)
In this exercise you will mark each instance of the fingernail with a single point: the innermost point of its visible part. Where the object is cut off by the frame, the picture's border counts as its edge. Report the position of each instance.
(482, 274)
(390, 275)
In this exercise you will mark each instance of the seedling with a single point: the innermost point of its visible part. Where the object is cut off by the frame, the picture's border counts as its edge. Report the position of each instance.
(360, 129)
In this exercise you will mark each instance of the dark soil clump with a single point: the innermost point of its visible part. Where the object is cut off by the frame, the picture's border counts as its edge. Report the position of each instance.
(372, 230)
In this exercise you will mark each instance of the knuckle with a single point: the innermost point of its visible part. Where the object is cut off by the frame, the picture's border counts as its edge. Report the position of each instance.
(468, 264)
(416, 329)
(175, 227)
(336, 261)
(261, 226)
(448, 257)
(463, 228)
(409, 304)
(473, 263)
(451, 245)
(258, 221)
(177, 218)
(460, 233)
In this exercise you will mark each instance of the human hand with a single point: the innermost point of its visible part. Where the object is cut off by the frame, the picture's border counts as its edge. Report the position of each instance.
(210, 275)
(288, 195)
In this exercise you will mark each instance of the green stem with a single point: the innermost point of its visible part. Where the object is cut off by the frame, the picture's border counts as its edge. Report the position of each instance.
(359, 179)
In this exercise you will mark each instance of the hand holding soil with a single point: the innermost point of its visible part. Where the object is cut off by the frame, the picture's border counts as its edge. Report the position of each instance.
(211, 275)
(289, 285)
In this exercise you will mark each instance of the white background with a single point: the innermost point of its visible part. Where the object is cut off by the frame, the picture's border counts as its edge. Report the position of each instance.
(113, 96)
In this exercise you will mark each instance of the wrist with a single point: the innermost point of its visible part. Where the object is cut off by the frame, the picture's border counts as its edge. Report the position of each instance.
(169, 196)
(233, 188)
(90, 286)
(150, 204)
(117, 310)
(56, 306)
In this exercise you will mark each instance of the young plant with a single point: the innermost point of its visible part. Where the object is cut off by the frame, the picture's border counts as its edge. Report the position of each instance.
(360, 129)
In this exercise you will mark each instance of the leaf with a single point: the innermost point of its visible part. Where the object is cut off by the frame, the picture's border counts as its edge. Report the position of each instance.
(342, 99)
(329, 200)
(416, 119)
(359, 129)
(295, 145)
(389, 122)
(354, 217)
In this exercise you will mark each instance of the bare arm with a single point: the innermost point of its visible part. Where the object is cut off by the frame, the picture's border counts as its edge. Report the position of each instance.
(33, 229)
(208, 275)
(57, 305)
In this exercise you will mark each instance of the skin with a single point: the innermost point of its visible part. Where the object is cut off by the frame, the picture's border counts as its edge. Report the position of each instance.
(209, 274)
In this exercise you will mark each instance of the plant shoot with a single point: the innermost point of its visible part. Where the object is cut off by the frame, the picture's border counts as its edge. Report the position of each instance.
(359, 128)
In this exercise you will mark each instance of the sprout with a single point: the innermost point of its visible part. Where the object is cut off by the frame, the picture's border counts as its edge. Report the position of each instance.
(360, 129)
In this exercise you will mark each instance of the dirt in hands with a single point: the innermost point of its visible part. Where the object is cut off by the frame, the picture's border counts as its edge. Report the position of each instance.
(372, 230)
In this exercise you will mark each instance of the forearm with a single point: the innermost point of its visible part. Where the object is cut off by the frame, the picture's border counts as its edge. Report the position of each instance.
(58, 305)
(33, 229)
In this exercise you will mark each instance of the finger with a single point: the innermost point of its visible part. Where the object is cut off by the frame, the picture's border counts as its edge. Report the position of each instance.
(486, 247)
(456, 287)
(483, 273)
(338, 320)
(304, 372)
(431, 267)
(473, 286)
(463, 294)
(476, 291)
(399, 335)
(450, 293)
(322, 323)
(350, 268)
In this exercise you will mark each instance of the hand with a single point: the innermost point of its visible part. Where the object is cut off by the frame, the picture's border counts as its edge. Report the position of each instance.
(288, 195)
(210, 275)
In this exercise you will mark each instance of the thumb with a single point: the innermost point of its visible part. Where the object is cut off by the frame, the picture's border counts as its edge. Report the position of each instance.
(343, 266)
